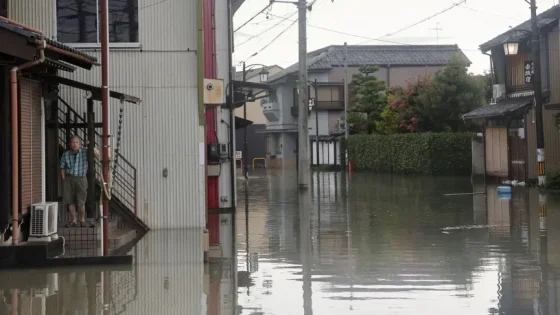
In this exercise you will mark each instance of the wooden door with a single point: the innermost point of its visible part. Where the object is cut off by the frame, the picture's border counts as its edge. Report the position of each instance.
(518, 154)
(496, 152)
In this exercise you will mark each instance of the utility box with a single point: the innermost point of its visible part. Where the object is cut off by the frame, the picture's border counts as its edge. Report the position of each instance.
(214, 94)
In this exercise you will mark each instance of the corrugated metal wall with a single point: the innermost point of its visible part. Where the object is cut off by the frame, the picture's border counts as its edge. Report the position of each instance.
(162, 132)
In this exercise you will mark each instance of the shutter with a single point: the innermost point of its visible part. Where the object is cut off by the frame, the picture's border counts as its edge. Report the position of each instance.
(30, 143)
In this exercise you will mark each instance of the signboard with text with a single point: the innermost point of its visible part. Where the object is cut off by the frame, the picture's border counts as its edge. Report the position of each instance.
(238, 154)
(529, 71)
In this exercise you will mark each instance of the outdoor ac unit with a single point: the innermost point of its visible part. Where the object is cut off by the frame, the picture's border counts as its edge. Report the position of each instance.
(44, 218)
(214, 92)
(341, 123)
(498, 93)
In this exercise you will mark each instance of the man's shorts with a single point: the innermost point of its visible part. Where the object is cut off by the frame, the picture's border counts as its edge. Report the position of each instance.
(75, 190)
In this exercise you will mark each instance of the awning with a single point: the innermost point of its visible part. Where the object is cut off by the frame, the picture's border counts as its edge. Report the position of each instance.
(95, 91)
(507, 107)
(251, 85)
(242, 123)
(277, 131)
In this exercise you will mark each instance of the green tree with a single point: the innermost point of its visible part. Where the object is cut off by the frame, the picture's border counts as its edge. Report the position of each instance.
(454, 92)
(369, 96)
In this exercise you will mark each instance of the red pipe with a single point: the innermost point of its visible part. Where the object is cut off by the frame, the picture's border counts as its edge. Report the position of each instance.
(25, 27)
(15, 137)
(105, 119)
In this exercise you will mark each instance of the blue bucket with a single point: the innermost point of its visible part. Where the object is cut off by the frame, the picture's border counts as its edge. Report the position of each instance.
(504, 190)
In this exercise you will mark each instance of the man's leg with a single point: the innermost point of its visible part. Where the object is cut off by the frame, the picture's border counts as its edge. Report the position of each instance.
(69, 199)
(81, 196)
(72, 209)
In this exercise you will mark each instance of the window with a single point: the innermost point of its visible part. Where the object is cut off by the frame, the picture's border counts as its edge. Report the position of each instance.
(78, 21)
(4, 8)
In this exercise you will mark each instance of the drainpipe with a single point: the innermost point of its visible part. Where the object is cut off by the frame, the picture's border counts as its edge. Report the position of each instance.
(15, 137)
(232, 118)
(105, 120)
(491, 66)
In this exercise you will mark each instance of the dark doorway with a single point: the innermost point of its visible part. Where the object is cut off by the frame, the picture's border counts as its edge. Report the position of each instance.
(4, 8)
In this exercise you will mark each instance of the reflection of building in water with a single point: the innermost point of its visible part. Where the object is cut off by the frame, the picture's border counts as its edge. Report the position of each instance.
(77, 291)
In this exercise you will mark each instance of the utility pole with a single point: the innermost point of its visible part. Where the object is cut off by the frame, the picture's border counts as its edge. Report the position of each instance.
(535, 48)
(303, 132)
(316, 121)
(245, 157)
(345, 91)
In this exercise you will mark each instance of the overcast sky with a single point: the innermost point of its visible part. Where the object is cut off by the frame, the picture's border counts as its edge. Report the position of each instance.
(468, 25)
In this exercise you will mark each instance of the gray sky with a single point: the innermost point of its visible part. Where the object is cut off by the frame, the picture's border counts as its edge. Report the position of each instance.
(468, 25)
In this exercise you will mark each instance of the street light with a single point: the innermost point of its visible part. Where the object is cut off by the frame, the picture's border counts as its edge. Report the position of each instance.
(263, 77)
(511, 49)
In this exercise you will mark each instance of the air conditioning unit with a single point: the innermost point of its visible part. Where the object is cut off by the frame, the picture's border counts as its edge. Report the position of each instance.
(341, 123)
(44, 218)
(498, 93)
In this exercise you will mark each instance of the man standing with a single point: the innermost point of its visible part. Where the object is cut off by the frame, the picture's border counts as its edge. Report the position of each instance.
(74, 167)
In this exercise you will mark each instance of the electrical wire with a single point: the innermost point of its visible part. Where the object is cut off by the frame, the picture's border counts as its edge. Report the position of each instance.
(268, 29)
(421, 21)
(254, 16)
(348, 34)
(271, 42)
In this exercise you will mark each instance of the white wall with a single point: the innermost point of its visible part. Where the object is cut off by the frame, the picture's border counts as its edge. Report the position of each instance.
(323, 123)
(163, 131)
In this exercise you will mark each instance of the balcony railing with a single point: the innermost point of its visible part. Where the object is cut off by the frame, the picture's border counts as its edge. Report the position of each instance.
(324, 105)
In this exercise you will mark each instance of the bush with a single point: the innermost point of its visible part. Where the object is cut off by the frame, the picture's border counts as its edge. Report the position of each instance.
(414, 153)
(553, 180)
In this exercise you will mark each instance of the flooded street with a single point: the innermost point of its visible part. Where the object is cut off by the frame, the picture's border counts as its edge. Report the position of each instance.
(395, 245)
(373, 244)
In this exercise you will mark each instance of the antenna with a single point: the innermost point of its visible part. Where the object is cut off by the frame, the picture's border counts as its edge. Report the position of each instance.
(437, 29)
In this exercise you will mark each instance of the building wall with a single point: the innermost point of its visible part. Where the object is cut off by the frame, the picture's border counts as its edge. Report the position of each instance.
(334, 116)
(5, 151)
(323, 123)
(163, 131)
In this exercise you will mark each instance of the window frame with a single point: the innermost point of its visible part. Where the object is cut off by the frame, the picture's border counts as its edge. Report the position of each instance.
(97, 45)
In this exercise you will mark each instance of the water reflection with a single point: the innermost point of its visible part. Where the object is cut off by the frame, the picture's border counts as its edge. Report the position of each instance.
(395, 244)
(363, 245)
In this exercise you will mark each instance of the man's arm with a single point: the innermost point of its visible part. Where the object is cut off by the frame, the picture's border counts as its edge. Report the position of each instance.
(95, 151)
(63, 166)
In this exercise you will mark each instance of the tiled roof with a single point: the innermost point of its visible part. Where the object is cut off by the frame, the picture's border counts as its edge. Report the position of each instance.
(544, 19)
(500, 109)
(362, 55)
(21, 31)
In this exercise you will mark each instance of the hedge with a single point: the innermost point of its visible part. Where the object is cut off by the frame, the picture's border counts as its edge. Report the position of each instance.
(413, 153)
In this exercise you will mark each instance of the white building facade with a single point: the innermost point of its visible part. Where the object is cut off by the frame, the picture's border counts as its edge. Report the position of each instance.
(154, 56)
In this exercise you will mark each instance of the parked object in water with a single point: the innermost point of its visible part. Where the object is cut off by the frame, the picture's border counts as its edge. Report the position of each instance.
(504, 189)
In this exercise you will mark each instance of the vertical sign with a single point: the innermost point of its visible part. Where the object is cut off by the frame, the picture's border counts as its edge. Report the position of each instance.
(529, 70)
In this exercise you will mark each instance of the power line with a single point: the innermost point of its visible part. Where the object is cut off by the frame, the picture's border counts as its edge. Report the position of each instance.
(344, 33)
(422, 21)
(272, 41)
(268, 29)
(254, 16)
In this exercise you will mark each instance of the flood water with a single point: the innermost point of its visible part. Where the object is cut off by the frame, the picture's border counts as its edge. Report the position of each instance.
(373, 244)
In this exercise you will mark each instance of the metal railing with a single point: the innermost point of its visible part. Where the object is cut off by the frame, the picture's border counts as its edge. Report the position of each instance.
(124, 180)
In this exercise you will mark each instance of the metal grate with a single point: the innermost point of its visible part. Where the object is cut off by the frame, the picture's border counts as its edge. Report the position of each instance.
(38, 221)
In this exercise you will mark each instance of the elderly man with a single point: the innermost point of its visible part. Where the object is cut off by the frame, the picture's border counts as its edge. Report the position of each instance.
(74, 167)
